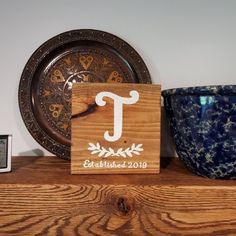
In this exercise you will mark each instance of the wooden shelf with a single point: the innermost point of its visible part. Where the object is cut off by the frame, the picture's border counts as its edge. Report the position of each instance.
(40, 197)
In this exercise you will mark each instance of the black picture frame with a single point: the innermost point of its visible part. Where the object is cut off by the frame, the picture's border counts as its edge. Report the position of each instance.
(5, 153)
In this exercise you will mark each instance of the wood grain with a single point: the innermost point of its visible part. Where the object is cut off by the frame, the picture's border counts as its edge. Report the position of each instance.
(62, 204)
(141, 126)
(115, 210)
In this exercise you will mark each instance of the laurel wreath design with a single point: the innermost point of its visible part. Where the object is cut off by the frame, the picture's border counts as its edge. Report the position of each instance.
(103, 152)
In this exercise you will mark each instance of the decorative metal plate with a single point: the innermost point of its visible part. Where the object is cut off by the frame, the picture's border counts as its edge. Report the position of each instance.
(74, 56)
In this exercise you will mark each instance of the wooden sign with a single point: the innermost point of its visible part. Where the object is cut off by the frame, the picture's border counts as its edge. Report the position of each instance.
(115, 128)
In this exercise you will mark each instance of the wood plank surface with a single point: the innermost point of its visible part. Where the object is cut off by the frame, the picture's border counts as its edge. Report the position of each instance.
(175, 202)
(137, 150)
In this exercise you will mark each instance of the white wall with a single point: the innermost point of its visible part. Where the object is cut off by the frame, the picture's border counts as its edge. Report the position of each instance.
(184, 43)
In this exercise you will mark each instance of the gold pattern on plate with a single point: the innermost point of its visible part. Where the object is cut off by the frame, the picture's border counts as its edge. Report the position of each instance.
(105, 61)
(86, 61)
(46, 93)
(64, 126)
(67, 60)
(85, 78)
(56, 109)
(57, 76)
(114, 77)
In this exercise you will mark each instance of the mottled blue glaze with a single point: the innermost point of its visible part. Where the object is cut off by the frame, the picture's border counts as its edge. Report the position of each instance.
(203, 121)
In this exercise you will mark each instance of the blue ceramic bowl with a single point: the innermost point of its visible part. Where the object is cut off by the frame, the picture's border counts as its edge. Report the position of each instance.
(203, 121)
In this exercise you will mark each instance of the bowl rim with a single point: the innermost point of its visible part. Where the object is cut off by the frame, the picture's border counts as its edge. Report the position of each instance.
(201, 90)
